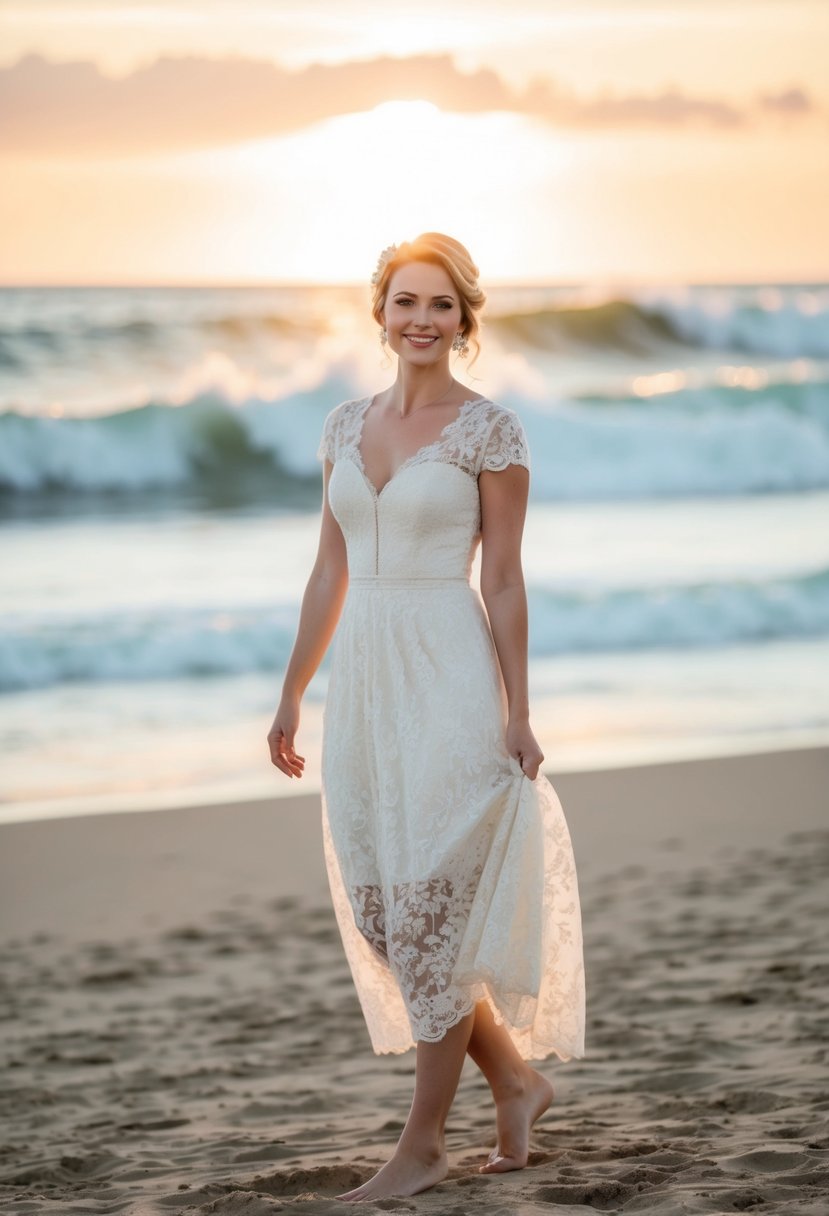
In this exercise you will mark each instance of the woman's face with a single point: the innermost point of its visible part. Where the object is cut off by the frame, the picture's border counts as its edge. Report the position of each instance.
(422, 312)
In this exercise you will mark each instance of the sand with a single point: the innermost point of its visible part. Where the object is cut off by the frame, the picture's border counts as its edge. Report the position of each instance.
(180, 1032)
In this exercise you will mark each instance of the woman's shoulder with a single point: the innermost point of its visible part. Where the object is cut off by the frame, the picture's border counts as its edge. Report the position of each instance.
(478, 411)
(489, 408)
(339, 415)
(344, 408)
(490, 416)
(335, 427)
(504, 438)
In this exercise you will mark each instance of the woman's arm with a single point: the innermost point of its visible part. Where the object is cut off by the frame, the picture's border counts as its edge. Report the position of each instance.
(504, 497)
(322, 604)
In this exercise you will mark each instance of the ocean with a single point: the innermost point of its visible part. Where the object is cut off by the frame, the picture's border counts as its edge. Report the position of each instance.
(159, 514)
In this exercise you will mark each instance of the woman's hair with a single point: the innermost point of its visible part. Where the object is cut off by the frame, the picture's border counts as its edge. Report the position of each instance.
(443, 251)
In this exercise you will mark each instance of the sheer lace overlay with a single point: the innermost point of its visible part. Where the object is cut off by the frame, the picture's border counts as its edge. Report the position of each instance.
(425, 921)
(452, 874)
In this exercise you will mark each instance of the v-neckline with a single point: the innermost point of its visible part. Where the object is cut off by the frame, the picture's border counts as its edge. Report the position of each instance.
(365, 405)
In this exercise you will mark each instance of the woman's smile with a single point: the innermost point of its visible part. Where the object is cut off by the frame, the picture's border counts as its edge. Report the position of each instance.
(420, 340)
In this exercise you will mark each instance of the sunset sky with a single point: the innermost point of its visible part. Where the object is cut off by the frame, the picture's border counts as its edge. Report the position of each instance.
(640, 140)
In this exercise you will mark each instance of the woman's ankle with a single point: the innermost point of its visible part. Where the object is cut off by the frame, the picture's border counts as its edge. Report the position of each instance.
(514, 1083)
(424, 1147)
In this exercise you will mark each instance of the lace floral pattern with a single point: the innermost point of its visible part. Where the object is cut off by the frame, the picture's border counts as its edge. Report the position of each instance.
(483, 435)
(427, 920)
(452, 874)
(506, 443)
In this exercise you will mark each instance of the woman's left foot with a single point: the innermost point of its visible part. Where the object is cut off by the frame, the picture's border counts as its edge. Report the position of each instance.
(515, 1115)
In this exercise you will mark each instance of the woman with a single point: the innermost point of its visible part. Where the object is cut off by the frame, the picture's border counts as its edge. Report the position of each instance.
(448, 855)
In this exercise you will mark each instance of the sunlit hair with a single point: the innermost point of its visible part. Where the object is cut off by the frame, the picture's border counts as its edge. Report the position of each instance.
(443, 251)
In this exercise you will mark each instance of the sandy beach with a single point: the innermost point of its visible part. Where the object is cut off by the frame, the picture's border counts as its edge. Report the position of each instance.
(180, 1033)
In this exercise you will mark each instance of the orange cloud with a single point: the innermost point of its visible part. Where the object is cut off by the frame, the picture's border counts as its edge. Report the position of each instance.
(180, 103)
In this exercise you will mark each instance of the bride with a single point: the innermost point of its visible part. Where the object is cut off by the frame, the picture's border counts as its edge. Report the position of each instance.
(448, 854)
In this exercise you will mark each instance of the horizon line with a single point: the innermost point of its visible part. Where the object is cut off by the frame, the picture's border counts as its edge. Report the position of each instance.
(311, 284)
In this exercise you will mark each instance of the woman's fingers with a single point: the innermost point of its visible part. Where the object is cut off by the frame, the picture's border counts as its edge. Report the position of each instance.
(290, 765)
(284, 756)
(530, 765)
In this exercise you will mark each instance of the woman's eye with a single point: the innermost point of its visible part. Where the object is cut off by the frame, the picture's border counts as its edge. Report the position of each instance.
(439, 304)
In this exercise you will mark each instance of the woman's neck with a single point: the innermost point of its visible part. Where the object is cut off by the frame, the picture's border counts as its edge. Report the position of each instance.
(416, 387)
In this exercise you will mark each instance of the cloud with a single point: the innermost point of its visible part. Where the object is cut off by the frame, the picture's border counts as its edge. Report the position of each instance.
(670, 108)
(790, 101)
(71, 108)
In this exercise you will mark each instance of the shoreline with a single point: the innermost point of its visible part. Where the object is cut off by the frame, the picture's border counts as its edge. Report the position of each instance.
(267, 790)
(90, 870)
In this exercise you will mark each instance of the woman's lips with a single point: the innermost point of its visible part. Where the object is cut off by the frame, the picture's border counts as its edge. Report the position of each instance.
(420, 342)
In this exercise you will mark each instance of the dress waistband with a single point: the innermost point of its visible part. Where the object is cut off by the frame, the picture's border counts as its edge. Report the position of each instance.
(381, 581)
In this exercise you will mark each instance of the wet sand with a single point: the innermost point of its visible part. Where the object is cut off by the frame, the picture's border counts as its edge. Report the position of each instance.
(180, 1032)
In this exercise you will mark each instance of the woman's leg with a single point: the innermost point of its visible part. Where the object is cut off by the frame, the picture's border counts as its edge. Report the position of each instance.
(419, 1160)
(521, 1094)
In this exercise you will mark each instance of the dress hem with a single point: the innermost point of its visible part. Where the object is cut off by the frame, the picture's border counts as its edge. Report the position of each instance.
(564, 1054)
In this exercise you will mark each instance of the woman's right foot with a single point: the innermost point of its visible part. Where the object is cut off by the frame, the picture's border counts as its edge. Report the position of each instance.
(407, 1173)
(516, 1113)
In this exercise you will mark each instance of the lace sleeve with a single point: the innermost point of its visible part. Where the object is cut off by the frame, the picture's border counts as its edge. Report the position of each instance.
(506, 443)
(328, 440)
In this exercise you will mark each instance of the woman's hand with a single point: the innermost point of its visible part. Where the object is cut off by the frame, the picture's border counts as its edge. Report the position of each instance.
(281, 739)
(523, 745)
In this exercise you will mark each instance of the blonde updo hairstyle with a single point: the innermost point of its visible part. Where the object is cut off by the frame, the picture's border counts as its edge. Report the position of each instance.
(443, 251)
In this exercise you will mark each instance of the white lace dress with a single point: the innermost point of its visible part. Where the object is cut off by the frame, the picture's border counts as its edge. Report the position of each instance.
(452, 873)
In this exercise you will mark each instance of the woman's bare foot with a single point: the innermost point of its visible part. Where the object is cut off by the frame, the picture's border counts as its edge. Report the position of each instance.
(408, 1173)
(516, 1113)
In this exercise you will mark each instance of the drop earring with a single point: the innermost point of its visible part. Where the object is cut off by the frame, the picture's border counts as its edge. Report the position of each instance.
(384, 337)
(461, 345)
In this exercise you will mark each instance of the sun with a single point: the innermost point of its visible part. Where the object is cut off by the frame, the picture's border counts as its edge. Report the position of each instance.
(319, 204)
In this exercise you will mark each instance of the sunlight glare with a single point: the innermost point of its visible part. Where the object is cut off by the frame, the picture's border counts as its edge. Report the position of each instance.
(382, 175)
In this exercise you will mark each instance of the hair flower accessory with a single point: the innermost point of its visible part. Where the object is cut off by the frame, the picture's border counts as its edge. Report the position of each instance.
(385, 257)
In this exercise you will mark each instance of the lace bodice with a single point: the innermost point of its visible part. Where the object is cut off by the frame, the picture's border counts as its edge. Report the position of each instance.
(483, 435)
(426, 525)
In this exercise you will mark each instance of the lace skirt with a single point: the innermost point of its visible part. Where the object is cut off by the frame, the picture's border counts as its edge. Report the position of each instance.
(452, 873)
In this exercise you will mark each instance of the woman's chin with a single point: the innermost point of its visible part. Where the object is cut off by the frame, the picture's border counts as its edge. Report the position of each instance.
(421, 355)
